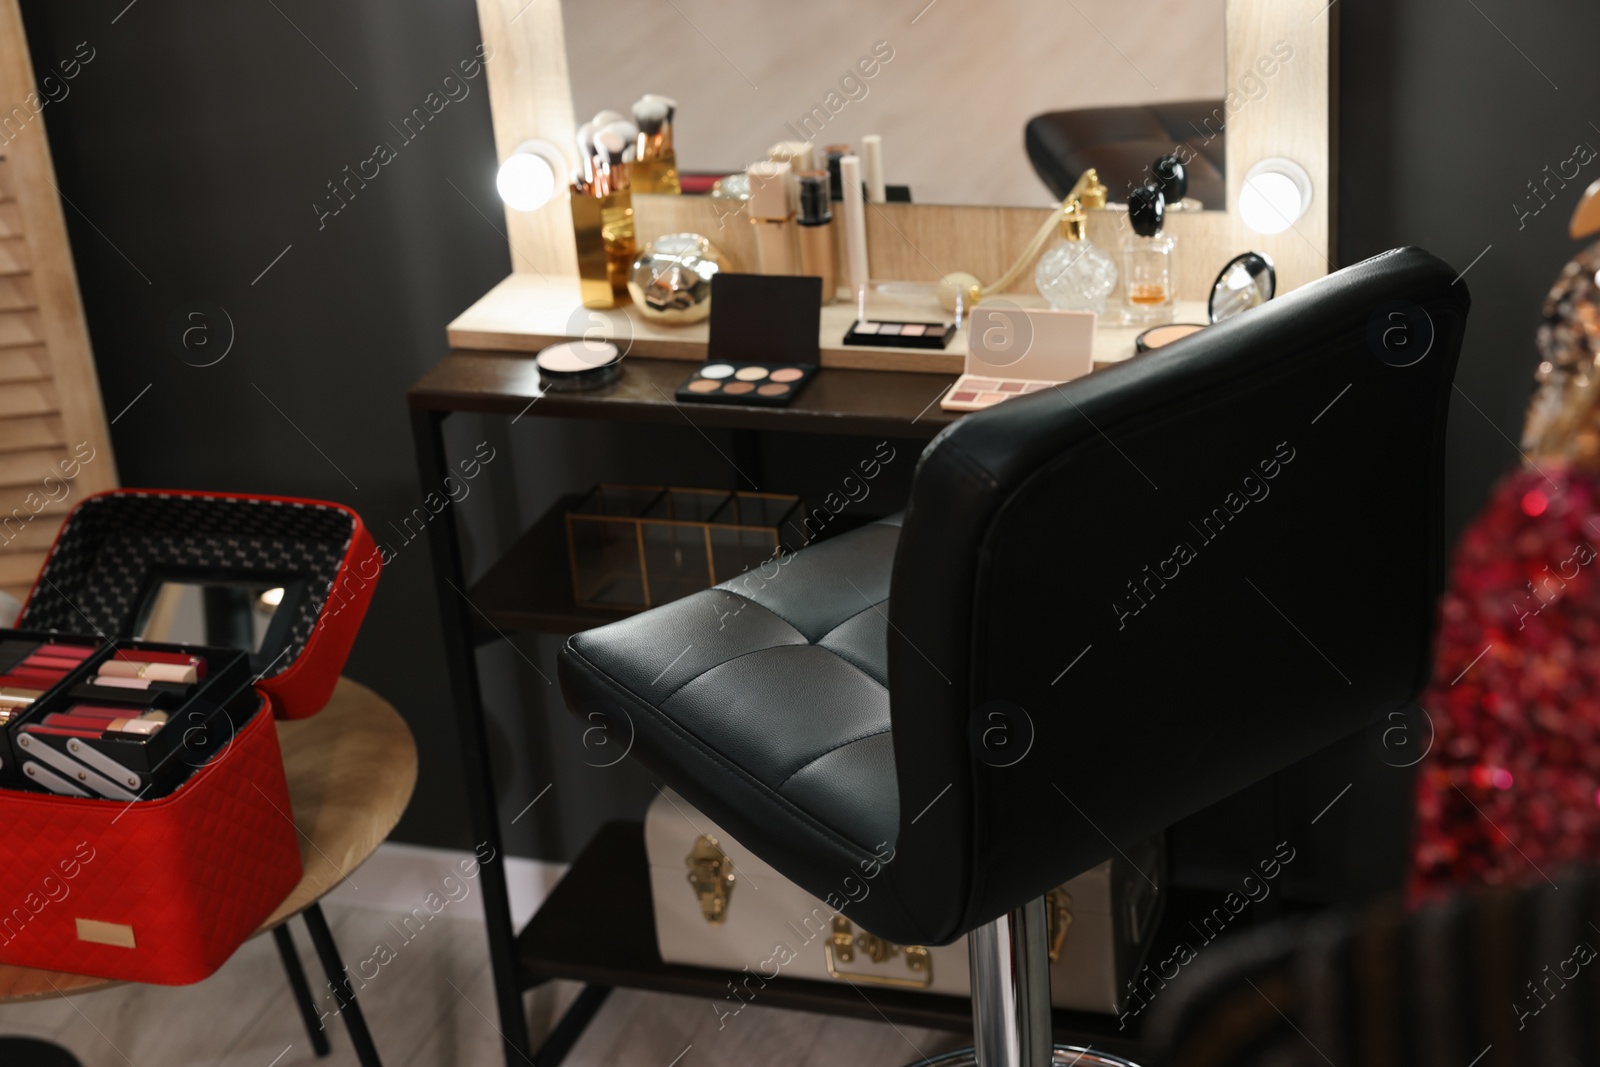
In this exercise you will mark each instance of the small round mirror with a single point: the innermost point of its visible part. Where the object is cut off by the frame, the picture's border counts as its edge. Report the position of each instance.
(1248, 281)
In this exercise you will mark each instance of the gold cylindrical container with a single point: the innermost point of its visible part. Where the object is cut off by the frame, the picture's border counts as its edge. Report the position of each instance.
(602, 227)
(659, 174)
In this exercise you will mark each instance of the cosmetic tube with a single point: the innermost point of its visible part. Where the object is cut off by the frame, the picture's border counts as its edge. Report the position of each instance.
(816, 232)
(872, 166)
(855, 229)
(772, 217)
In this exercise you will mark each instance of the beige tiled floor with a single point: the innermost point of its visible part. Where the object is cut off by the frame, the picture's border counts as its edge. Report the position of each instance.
(432, 1005)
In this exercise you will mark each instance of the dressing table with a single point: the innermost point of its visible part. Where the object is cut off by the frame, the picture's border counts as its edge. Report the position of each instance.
(539, 72)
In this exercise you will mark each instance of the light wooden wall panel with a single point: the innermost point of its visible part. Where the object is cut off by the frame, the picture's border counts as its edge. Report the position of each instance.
(51, 416)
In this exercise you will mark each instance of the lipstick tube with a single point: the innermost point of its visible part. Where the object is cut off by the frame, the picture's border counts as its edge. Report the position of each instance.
(855, 230)
(772, 216)
(154, 672)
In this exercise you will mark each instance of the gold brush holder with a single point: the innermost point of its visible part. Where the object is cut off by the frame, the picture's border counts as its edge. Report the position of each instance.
(602, 226)
(659, 174)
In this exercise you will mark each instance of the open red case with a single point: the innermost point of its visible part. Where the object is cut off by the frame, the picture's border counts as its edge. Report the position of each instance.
(148, 846)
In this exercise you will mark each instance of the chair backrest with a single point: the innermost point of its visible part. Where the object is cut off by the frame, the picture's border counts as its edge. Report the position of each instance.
(1119, 601)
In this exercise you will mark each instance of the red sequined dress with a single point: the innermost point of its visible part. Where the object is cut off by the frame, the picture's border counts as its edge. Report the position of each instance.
(1510, 790)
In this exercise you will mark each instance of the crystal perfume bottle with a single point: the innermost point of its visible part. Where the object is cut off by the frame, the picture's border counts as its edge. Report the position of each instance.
(1149, 266)
(1076, 275)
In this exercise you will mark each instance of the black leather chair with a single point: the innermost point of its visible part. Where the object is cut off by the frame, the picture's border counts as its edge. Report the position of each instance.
(1120, 143)
(1106, 606)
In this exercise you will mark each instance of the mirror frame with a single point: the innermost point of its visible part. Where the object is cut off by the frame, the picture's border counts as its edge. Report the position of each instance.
(530, 95)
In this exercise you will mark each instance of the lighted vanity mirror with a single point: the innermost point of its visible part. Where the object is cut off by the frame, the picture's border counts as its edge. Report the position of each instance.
(1001, 104)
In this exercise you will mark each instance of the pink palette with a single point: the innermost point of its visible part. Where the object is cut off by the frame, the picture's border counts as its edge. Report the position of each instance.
(1016, 351)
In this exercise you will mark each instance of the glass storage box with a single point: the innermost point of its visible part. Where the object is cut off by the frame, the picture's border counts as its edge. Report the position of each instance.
(636, 546)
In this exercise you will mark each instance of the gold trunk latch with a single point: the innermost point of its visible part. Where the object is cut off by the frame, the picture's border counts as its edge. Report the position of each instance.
(711, 875)
(1058, 917)
(841, 948)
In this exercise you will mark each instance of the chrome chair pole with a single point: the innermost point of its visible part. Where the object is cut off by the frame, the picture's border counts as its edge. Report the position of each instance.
(1010, 959)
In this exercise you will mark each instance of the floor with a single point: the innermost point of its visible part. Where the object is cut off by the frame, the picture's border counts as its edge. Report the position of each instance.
(431, 1004)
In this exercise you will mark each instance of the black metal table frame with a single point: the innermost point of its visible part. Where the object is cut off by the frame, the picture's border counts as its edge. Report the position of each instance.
(511, 979)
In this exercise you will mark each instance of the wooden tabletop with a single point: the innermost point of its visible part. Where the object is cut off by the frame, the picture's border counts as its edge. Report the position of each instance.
(837, 400)
(351, 769)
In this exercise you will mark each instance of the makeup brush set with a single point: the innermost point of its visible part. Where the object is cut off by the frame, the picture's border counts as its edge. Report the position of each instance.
(616, 153)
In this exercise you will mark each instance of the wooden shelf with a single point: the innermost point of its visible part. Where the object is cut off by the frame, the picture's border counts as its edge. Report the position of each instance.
(597, 926)
(525, 312)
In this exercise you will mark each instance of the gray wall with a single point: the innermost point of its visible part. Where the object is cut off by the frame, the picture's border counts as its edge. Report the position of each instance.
(195, 143)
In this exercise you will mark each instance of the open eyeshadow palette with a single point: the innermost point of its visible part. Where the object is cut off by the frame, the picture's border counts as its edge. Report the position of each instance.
(128, 720)
(764, 341)
(900, 334)
(1017, 351)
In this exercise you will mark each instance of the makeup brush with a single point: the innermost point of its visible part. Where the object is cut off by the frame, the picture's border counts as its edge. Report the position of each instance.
(651, 116)
(671, 104)
(612, 142)
(585, 139)
(604, 118)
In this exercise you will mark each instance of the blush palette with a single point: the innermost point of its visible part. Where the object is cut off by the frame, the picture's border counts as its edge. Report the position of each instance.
(900, 334)
(1017, 351)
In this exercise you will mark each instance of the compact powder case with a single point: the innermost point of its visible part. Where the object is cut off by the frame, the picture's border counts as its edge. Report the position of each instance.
(1158, 336)
(575, 365)
(900, 334)
(764, 342)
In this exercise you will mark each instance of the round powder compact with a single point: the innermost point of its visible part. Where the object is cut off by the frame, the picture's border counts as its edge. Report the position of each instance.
(1161, 336)
(575, 365)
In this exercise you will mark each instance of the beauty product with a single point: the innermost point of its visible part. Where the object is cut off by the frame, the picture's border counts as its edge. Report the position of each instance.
(1076, 275)
(869, 333)
(872, 168)
(1248, 280)
(772, 217)
(602, 215)
(671, 280)
(801, 157)
(855, 232)
(1161, 336)
(1149, 263)
(145, 697)
(655, 162)
(153, 672)
(1017, 351)
(833, 153)
(815, 232)
(144, 656)
(764, 343)
(572, 366)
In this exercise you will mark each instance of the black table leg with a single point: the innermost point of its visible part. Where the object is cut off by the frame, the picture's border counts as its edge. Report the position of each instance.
(571, 1027)
(354, 1021)
(455, 613)
(301, 989)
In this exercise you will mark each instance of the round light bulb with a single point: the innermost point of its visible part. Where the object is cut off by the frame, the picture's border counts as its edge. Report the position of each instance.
(1275, 193)
(526, 181)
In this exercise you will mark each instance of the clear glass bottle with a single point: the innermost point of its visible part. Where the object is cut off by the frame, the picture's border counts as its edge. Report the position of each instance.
(1076, 275)
(1149, 262)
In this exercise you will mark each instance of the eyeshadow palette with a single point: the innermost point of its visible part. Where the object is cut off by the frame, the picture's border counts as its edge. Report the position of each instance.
(900, 334)
(731, 382)
(1017, 351)
(974, 392)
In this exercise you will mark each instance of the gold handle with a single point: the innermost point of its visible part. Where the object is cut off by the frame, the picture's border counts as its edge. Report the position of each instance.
(841, 948)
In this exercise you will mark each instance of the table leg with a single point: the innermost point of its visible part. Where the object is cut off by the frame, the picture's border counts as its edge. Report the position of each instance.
(573, 1022)
(349, 1009)
(427, 429)
(301, 989)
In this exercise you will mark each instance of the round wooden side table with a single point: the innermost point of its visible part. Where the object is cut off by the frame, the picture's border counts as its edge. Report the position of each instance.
(351, 769)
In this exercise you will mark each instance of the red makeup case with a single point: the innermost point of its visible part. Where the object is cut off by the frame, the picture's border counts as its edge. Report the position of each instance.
(163, 887)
